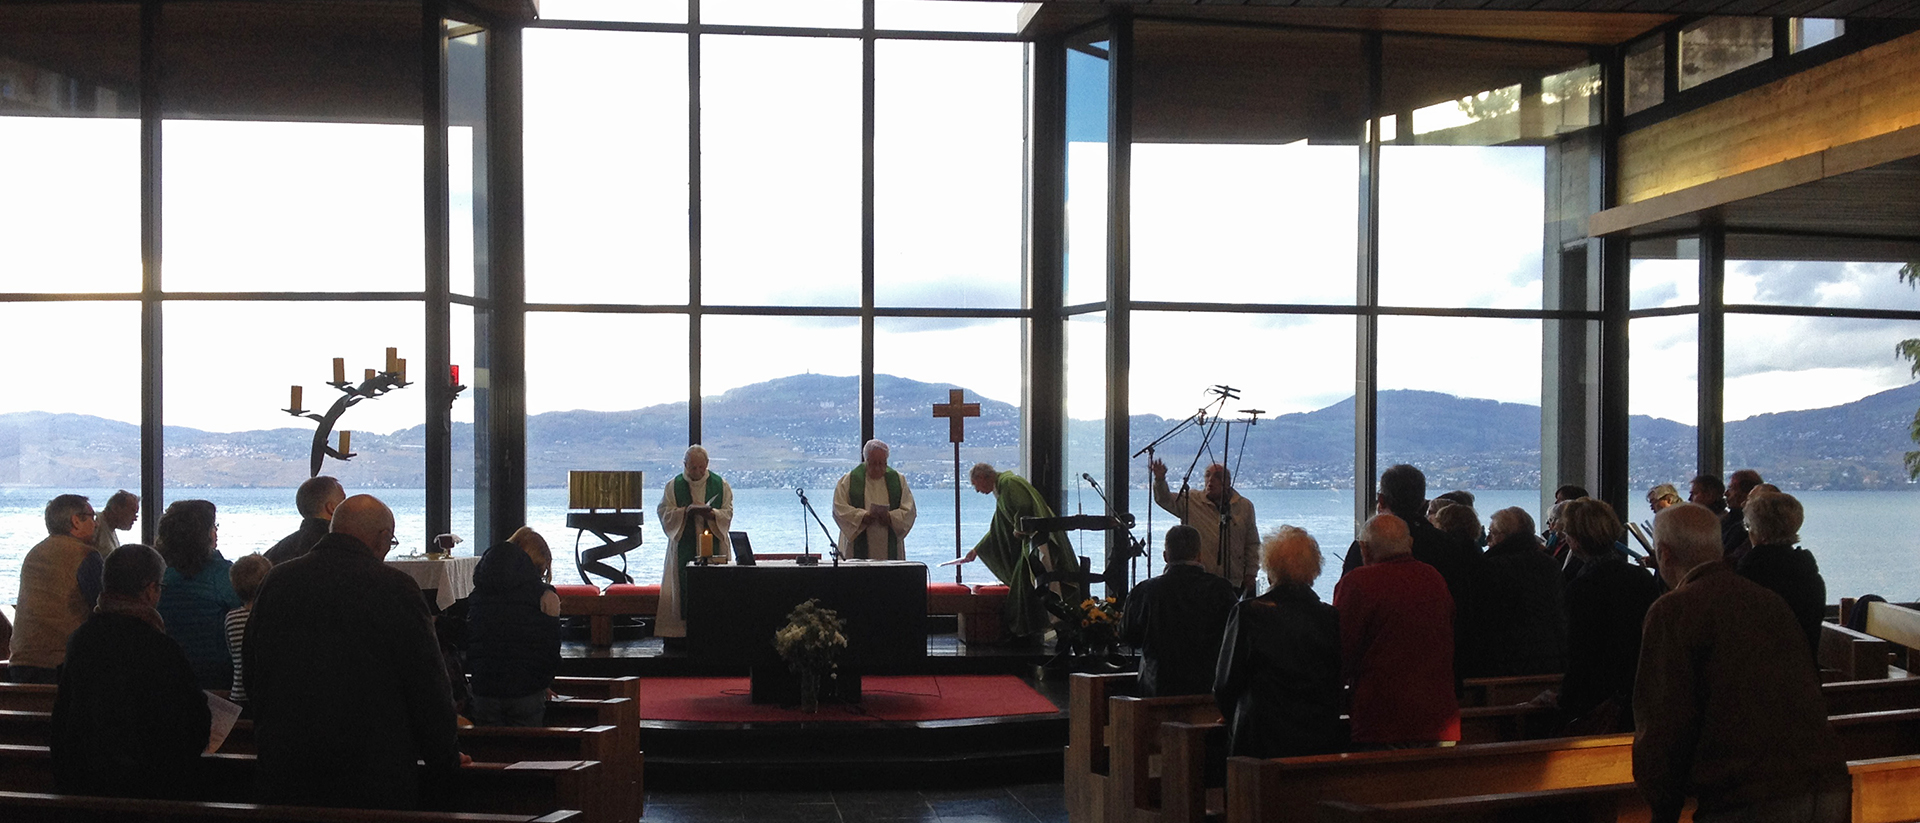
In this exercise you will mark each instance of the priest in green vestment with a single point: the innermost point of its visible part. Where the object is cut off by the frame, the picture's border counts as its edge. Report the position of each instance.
(1005, 548)
(874, 507)
(695, 501)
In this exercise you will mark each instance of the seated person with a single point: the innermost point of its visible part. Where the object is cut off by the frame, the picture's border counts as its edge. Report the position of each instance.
(1176, 620)
(128, 721)
(513, 632)
(247, 574)
(1278, 678)
(198, 590)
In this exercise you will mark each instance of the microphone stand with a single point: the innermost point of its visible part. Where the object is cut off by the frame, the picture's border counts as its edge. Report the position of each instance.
(808, 559)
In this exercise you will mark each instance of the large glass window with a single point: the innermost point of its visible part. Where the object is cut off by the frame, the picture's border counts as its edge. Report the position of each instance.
(1665, 273)
(1718, 46)
(1086, 240)
(1482, 375)
(1663, 401)
(1823, 283)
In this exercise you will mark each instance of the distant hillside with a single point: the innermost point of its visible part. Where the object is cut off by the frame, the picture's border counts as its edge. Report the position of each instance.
(803, 430)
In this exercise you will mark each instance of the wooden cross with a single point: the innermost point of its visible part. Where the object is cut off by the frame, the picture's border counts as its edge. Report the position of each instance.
(956, 410)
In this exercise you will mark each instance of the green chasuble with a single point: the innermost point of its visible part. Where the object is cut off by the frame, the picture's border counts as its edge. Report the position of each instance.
(1006, 555)
(688, 546)
(857, 497)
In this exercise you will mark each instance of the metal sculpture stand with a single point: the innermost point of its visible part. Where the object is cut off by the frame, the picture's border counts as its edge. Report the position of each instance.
(602, 524)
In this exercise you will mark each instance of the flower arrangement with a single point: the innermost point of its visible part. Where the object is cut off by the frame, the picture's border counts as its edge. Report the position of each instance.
(809, 642)
(1094, 624)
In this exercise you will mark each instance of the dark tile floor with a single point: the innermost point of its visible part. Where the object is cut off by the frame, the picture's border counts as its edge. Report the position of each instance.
(1024, 803)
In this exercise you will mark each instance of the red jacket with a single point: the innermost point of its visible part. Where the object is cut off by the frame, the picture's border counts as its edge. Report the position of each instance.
(1396, 644)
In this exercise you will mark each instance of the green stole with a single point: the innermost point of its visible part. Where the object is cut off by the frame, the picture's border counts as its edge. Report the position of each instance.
(857, 497)
(688, 547)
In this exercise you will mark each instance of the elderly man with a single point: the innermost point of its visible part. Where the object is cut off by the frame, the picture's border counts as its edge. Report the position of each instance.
(694, 502)
(1396, 644)
(1716, 716)
(59, 582)
(1516, 622)
(344, 675)
(1733, 524)
(129, 720)
(1773, 521)
(1004, 547)
(1176, 620)
(1403, 494)
(123, 508)
(874, 507)
(1707, 490)
(1661, 496)
(316, 500)
(1205, 512)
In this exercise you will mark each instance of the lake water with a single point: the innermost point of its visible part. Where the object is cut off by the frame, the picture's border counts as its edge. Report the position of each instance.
(1865, 541)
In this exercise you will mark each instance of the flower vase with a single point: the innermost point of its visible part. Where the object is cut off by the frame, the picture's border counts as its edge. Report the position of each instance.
(809, 691)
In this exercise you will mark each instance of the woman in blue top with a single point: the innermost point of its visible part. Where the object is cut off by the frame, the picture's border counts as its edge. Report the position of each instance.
(197, 591)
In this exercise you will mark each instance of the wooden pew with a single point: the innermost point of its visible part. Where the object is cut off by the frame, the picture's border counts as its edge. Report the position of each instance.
(1857, 656)
(23, 807)
(526, 788)
(1504, 691)
(1087, 753)
(1899, 625)
(1858, 696)
(29, 697)
(1134, 788)
(598, 688)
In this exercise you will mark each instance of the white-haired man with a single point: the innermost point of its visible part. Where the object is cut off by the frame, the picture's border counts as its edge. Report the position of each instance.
(1396, 643)
(1719, 714)
(696, 500)
(1004, 548)
(874, 507)
(1204, 510)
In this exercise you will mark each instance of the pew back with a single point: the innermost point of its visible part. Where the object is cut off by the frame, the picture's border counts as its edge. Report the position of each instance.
(1085, 778)
(23, 807)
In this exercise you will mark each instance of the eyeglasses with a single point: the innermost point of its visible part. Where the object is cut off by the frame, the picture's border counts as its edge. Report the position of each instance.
(394, 543)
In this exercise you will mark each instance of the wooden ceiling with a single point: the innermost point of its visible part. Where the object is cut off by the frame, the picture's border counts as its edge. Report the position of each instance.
(1594, 22)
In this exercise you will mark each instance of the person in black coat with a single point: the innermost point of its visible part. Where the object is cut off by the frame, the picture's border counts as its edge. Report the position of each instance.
(1176, 620)
(1278, 677)
(1403, 494)
(348, 691)
(513, 631)
(1517, 622)
(1606, 605)
(128, 720)
(1773, 520)
(316, 500)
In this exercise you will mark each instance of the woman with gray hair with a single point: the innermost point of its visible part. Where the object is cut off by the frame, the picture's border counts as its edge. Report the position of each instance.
(1773, 527)
(1516, 623)
(1278, 678)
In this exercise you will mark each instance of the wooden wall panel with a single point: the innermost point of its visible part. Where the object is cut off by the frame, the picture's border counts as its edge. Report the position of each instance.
(1872, 93)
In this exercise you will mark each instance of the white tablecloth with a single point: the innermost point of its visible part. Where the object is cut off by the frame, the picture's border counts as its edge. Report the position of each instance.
(452, 578)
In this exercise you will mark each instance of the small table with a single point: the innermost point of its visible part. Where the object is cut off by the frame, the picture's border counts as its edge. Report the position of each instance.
(450, 579)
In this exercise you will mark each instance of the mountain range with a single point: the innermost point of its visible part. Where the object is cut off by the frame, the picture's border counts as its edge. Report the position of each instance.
(803, 430)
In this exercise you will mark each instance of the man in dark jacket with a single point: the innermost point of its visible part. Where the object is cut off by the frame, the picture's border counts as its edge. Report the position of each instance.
(128, 721)
(1278, 679)
(344, 675)
(1774, 562)
(1517, 623)
(316, 500)
(1176, 620)
(513, 632)
(1733, 526)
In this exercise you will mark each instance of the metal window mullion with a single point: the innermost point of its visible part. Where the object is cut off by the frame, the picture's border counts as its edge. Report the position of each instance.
(153, 475)
(696, 296)
(866, 222)
(1366, 383)
(438, 303)
(1119, 266)
(1711, 426)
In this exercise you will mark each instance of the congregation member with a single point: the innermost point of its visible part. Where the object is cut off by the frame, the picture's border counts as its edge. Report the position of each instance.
(1717, 717)
(1005, 548)
(1176, 620)
(1278, 677)
(513, 632)
(344, 676)
(696, 500)
(1516, 624)
(1203, 511)
(59, 583)
(1606, 603)
(1459, 523)
(198, 590)
(1661, 496)
(316, 500)
(1396, 644)
(1569, 492)
(1403, 494)
(1733, 526)
(246, 575)
(122, 509)
(1773, 520)
(128, 720)
(1707, 490)
(874, 507)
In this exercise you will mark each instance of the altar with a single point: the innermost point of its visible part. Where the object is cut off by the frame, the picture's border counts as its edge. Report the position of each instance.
(733, 611)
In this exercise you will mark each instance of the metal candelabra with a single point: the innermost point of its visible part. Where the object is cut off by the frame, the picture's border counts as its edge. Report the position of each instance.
(375, 385)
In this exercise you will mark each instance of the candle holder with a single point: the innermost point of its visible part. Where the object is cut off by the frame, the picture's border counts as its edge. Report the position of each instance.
(376, 385)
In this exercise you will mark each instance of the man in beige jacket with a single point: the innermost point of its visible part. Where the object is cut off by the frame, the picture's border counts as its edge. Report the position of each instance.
(59, 582)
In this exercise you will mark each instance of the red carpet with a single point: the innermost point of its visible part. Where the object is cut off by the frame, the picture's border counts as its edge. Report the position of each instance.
(955, 697)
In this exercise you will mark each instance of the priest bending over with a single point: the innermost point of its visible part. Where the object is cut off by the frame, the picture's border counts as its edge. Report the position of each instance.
(874, 508)
(1004, 548)
(694, 501)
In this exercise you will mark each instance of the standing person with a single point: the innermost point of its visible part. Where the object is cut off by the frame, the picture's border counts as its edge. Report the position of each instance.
(1606, 605)
(59, 582)
(348, 690)
(1176, 620)
(1396, 644)
(129, 720)
(198, 590)
(316, 500)
(874, 507)
(123, 508)
(1707, 490)
(1517, 622)
(1278, 677)
(513, 632)
(1005, 550)
(1733, 524)
(1777, 564)
(1204, 513)
(695, 500)
(1717, 717)
(247, 574)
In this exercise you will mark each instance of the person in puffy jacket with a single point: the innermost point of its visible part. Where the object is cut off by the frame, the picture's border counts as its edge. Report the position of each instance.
(513, 626)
